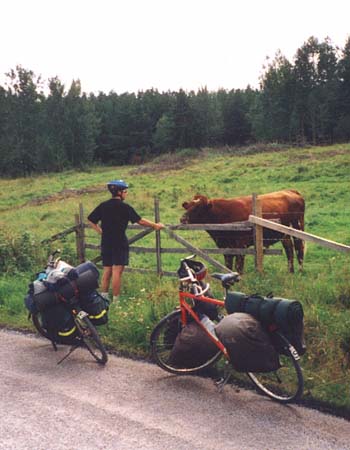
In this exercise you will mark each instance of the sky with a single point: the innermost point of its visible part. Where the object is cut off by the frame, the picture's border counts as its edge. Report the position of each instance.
(135, 45)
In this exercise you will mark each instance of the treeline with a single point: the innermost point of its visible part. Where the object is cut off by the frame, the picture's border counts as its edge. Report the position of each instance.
(44, 128)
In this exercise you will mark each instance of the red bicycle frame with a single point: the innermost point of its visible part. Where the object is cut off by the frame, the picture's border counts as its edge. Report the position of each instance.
(185, 307)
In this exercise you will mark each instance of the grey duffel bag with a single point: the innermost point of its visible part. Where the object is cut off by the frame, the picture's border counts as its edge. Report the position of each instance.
(192, 347)
(248, 345)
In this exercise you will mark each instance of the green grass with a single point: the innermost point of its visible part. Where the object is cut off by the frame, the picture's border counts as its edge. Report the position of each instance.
(321, 174)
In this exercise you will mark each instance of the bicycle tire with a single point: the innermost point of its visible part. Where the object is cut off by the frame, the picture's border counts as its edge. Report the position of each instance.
(286, 384)
(91, 340)
(162, 341)
(37, 322)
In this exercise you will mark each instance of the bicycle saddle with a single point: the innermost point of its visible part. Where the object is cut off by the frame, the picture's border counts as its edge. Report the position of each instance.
(227, 279)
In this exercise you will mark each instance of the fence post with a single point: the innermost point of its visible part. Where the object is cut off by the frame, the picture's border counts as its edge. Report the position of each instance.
(80, 234)
(158, 241)
(258, 235)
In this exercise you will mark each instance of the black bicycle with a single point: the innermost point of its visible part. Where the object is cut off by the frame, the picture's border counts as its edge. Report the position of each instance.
(80, 333)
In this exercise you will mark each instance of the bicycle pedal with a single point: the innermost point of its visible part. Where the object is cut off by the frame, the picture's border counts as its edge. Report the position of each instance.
(219, 381)
(220, 384)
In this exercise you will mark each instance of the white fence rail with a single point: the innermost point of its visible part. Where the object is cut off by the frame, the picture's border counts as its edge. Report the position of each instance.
(299, 234)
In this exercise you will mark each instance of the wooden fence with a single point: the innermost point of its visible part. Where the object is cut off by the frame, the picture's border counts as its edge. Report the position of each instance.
(255, 223)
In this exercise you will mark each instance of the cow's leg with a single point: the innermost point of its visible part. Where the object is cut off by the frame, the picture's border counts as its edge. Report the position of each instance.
(239, 265)
(299, 244)
(288, 248)
(229, 261)
(299, 250)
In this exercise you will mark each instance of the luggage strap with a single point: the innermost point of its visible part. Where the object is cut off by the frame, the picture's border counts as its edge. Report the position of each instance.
(63, 299)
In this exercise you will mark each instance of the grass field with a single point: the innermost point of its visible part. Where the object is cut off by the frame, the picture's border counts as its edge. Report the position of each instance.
(33, 209)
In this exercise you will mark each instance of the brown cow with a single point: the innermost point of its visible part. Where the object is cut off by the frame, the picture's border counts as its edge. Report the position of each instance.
(288, 206)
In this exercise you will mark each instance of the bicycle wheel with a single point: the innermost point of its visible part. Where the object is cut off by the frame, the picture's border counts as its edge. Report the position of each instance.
(91, 339)
(40, 327)
(286, 384)
(163, 338)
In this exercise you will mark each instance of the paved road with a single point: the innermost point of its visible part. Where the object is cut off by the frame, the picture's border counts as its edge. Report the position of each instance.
(128, 404)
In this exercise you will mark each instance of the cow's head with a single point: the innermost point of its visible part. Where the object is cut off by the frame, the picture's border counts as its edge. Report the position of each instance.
(197, 210)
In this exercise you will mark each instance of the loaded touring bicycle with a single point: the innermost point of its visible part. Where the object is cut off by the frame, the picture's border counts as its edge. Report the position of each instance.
(66, 308)
(261, 337)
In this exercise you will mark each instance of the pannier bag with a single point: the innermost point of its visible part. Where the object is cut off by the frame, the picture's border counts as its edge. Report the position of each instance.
(30, 305)
(60, 325)
(96, 306)
(249, 346)
(49, 296)
(273, 313)
(66, 283)
(192, 347)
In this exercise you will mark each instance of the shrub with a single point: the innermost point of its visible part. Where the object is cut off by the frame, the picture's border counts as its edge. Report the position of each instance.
(18, 252)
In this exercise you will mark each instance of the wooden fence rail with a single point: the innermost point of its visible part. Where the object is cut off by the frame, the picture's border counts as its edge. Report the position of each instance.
(299, 234)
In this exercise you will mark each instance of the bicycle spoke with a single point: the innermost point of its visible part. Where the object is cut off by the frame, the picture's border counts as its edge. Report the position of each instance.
(91, 340)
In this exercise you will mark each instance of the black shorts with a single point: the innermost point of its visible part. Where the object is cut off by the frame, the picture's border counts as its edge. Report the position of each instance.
(112, 257)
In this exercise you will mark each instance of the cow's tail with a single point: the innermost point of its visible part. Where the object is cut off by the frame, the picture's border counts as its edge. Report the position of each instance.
(301, 223)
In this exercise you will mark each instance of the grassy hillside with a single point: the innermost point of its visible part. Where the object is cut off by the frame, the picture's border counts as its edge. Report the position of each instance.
(45, 205)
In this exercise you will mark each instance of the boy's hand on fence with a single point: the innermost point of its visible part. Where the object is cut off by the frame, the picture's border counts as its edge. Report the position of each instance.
(148, 223)
(159, 226)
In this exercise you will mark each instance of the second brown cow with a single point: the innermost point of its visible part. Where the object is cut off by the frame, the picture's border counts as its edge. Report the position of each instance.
(288, 206)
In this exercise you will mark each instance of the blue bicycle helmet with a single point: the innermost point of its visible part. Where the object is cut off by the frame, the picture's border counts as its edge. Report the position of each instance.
(117, 185)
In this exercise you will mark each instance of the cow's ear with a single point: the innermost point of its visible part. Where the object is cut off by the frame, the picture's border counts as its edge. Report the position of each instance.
(185, 205)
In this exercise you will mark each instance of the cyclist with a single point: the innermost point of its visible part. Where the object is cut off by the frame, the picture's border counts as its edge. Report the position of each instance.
(114, 215)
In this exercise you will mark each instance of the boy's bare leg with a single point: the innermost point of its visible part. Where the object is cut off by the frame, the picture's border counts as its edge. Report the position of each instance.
(106, 280)
(117, 280)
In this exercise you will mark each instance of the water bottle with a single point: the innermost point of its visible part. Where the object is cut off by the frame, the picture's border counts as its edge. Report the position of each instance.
(208, 324)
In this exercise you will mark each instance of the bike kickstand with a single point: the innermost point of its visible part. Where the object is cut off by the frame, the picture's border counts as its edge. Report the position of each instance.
(71, 350)
(221, 382)
(54, 346)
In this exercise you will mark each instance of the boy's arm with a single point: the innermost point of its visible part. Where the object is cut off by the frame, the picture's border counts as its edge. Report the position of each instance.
(95, 226)
(149, 223)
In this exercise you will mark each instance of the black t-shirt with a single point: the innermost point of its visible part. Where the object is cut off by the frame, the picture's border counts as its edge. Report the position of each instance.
(114, 216)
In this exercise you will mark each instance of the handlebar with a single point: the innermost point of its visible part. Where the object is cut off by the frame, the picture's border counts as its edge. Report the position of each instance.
(227, 279)
(52, 261)
(189, 271)
(188, 257)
